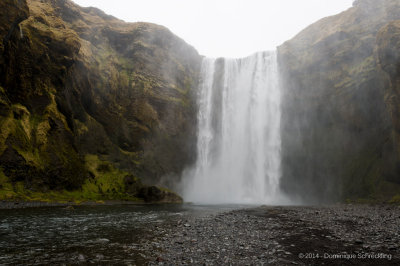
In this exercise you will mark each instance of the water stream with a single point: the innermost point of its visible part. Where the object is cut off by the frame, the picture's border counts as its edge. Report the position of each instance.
(118, 234)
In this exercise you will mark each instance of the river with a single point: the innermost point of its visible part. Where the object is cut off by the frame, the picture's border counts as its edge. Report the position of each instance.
(87, 234)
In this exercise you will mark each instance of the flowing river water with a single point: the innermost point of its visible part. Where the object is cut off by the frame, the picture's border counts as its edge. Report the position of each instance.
(87, 234)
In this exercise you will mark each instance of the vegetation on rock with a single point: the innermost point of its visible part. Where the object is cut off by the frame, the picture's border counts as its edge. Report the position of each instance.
(87, 99)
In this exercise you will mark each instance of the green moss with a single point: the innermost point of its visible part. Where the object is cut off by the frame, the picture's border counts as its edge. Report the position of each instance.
(108, 181)
(166, 190)
(361, 201)
(32, 157)
(134, 157)
(7, 126)
(88, 193)
(52, 111)
(395, 199)
(20, 130)
(6, 188)
(80, 127)
(123, 79)
(367, 65)
(107, 184)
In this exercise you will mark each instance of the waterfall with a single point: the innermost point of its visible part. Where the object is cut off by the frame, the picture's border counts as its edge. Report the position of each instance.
(238, 146)
(21, 33)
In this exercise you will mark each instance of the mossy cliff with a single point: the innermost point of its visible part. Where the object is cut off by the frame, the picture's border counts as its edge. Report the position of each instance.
(90, 104)
(340, 124)
(93, 108)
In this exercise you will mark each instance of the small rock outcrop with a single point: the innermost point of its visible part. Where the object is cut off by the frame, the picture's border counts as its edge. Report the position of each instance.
(156, 194)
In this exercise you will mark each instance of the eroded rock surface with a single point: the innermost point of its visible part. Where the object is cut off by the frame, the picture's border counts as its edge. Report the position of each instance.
(75, 82)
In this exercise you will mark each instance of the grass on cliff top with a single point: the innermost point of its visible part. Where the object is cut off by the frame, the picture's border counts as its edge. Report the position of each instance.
(106, 184)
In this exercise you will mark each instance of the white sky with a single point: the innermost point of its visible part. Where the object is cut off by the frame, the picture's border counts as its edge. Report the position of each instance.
(229, 28)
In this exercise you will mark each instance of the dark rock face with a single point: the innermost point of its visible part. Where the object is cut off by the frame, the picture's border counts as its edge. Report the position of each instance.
(75, 81)
(150, 194)
(13, 13)
(155, 194)
(337, 132)
(388, 52)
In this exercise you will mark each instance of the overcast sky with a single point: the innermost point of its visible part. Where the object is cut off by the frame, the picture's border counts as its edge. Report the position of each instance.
(229, 28)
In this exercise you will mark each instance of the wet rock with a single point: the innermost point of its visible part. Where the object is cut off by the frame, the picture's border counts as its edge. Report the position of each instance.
(81, 257)
(158, 195)
(159, 259)
(102, 241)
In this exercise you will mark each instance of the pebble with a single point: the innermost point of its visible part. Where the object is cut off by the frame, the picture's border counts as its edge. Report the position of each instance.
(277, 235)
(102, 241)
(81, 257)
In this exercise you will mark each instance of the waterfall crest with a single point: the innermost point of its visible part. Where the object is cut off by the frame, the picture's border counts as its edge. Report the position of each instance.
(238, 146)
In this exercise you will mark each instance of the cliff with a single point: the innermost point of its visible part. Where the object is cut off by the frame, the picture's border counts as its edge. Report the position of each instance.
(91, 107)
(340, 124)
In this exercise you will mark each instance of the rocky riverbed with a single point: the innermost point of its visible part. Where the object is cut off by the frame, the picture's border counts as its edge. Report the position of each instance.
(330, 235)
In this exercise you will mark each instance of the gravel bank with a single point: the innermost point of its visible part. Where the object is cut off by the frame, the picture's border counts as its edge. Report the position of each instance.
(330, 235)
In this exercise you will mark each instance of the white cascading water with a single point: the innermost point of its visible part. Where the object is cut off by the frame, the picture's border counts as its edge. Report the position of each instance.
(239, 142)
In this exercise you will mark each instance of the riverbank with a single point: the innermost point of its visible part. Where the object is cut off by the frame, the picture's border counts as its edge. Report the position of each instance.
(329, 235)
(172, 234)
(33, 204)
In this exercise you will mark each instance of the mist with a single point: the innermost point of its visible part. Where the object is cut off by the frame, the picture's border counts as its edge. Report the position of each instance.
(225, 28)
